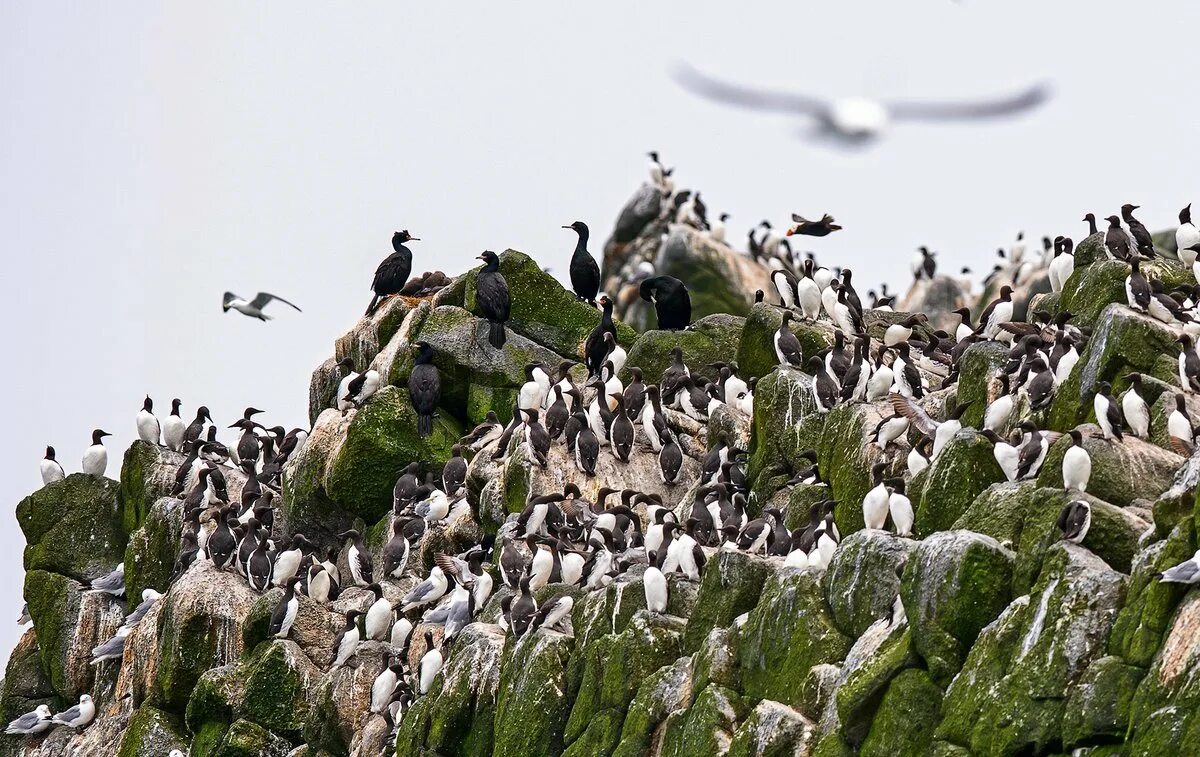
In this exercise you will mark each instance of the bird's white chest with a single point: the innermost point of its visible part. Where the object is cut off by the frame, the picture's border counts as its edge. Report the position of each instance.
(858, 116)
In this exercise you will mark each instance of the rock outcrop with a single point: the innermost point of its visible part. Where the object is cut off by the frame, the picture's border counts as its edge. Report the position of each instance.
(984, 633)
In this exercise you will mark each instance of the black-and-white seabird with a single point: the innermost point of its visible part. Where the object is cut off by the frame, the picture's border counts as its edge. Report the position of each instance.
(1040, 386)
(900, 508)
(285, 612)
(1137, 231)
(1187, 237)
(1180, 432)
(587, 446)
(1076, 464)
(384, 685)
(252, 308)
(392, 274)
(1063, 264)
(998, 311)
(585, 272)
(358, 558)
(486, 432)
(361, 388)
(1189, 364)
(429, 666)
(425, 388)
(787, 347)
(1032, 452)
(173, 428)
(1137, 289)
(492, 298)
(902, 331)
(1007, 455)
(785, 286)
(95, 457)
(595, 347)
(345, 645)
(1134, 407)
(1108, 412)
(50, 468)
(147, 424)
(1116, 241)
(856, 121)
(622, 434)
(999, 410)
(377, 622)
(195, 429)
(672, 303)
(1074, 521)
(923, 265)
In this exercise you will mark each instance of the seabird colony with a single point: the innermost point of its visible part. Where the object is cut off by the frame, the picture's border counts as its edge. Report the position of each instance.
(564, 537)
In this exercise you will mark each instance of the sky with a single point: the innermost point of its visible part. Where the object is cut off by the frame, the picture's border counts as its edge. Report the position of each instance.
(157, 155)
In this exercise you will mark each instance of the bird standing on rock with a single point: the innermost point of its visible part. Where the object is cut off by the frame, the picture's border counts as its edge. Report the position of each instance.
(392, 274)
(95, 457)
(672, 303)
(492, 298)
(585, 272)
(424, 388)
(51, 469)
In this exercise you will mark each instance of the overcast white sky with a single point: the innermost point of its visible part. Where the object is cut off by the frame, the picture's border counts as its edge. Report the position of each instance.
(155, 155)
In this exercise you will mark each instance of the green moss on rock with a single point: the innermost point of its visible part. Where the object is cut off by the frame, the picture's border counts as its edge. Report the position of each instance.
(712, 339)
(1091, 288)
(772, 730)
(963, 470)
(860, 694)
(246, 739)
(906, 718)
(787, 633)
(25, 684)
(53, 601)
(531, 710)
(709, 724)
(1099, 706)
(731, 585)
(863, 578)
(276, 682)
(545, 312)
(756, 348)
(1146, 615)
(669, 689)
(151, 733)
(73, 527)
(152, 549)
(846, 459)
(785, 423)
(978, 366)
(1121, 471)
(380, 442)
(955, 584)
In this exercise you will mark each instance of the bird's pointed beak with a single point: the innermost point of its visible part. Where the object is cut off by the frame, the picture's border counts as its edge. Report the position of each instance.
(790, 232)
(566, 227)
(414, 239)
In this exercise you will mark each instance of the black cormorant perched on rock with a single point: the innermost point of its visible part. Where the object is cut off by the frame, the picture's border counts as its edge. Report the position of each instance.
(392, 273)
(491, 293)
(672, 304)
(585, 272)
(424, 388)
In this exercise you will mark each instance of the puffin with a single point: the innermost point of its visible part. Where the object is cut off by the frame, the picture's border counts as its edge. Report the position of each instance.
(585, 273)
(392, 273)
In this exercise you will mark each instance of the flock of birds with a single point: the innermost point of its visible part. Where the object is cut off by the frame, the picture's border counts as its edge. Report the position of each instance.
(567, 538)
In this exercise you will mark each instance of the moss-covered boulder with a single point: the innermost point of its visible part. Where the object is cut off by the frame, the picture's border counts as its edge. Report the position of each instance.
(340, 698)
(1025, 516)
(955, 584)
(846, 457)
(199, 627)
(1090, 289)
(789, 631)
(475, 376)
(151, 733)
(716, 660)
(247, 739)
(712, 339)
(907, 715)
(977, 369)
(1012, 693)
(73, 527)
(68, 623)
(372, 332)
(615, 665)
(277, 681)
(1100, 703)
(863, 578)
(307, 507)
(152, 549)
(461, 712)
(25, 684)
(380, 442)
(785, 423)
(731, 585)
(963, 470)
(1146, 616)
(859, 694)
(756, 347)
(544, 312)
(772, 730)
(531, 710)
(1123, 342)
(1121, 471)
(668, 690)
(707, 727)
(147, 475)
(1165, 716)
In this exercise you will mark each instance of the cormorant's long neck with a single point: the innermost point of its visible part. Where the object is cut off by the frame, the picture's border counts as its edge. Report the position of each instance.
(581, 245)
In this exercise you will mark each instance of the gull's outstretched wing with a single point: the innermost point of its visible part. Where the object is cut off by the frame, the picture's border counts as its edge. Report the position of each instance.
(261, 300)
(746, 97)
(968, 110)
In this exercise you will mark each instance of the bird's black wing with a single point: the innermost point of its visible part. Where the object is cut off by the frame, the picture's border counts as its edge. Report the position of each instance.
(967, 110)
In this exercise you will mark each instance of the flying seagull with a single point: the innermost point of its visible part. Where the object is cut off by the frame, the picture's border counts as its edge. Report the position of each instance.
(253, 308)
(855, 120)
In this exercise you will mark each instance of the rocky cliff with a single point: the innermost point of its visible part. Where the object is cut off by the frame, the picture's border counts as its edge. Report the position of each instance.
(984, 633)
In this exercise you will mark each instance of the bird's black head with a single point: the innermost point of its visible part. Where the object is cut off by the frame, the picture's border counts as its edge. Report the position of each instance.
(98, 434)
(1128, 208)
(1090, 218)
(1185, 215)
(400, 237)
(1113, 220)
(579, 227)
(653, 155)
(49, 453)
(491, 260)
(1076, 437)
